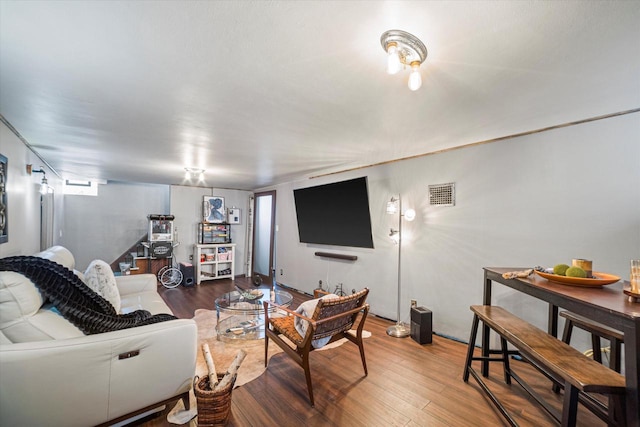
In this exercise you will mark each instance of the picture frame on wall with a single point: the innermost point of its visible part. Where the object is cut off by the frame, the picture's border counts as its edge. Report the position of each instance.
(4, 227)
(234, 216)
(213, 210)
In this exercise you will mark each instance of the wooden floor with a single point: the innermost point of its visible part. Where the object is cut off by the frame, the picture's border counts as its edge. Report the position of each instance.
(408, 384)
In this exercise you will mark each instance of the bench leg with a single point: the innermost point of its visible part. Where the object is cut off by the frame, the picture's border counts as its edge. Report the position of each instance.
(617, 411)
(566, 338)
(472, 343)
(570, 406)
(614, 362)
(596, 346)
(505, 360)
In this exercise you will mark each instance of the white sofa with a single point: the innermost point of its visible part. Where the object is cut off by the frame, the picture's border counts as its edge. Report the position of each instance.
(52, 374)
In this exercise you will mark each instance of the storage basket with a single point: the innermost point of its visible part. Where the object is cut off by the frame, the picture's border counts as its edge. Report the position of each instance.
(213, 407)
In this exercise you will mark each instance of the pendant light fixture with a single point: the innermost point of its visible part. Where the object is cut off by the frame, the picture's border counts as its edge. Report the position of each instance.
(404, 49)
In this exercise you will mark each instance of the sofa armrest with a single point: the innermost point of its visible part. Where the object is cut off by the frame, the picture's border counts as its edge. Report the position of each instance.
(95, 378)
(137, 283)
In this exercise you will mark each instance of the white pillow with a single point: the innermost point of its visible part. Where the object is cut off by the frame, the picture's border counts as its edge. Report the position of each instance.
(99, 277)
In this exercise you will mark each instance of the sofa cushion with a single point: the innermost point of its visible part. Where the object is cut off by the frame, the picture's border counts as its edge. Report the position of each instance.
(100, 278)
(47, 324)
(21, 318)
(59, 254)
(150, 301)
(19, 298)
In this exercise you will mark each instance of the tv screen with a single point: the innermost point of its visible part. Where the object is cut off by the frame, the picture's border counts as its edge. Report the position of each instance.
(335, 214)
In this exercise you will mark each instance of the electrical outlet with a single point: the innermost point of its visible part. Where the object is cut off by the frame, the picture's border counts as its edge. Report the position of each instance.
(191, 257)
(414, 303)
(281, 272)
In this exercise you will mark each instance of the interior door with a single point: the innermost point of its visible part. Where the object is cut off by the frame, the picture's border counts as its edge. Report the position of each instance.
(264, 220)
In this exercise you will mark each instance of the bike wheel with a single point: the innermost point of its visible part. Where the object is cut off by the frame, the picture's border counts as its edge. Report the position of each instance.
(161, 271)
(171, 277)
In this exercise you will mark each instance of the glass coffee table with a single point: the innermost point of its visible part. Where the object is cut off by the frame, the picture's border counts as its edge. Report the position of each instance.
(243, 314)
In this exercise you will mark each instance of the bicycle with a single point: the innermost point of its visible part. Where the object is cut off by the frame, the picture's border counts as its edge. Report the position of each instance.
(338, 290)
(170, 275)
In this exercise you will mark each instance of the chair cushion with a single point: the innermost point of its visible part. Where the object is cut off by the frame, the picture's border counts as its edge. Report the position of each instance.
(284, 325)
(100, 278)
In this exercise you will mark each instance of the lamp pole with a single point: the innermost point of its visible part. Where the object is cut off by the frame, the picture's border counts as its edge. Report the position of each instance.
(399, 330)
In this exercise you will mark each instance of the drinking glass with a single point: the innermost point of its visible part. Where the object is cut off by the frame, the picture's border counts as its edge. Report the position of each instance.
(634, 276)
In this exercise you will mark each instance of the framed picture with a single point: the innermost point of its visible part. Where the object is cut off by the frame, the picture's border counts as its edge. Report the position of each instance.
(234, 216)
(4, 228)
(213, 209)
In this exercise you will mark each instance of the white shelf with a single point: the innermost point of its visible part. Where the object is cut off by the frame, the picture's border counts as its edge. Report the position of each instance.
(211, 269)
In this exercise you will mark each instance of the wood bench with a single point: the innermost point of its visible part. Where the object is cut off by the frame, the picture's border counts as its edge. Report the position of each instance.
(577, 373)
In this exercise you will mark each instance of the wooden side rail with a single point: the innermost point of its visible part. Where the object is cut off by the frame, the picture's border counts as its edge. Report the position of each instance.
(557, 360)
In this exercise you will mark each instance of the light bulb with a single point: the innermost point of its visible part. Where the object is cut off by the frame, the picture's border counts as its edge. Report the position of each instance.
(187, 175)
(393, 59)
(415, 80)
(44, 187)
(392, 207)
(410, 214)
(201, 177)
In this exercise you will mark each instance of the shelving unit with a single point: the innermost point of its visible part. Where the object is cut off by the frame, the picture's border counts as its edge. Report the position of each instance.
(213, 233)
(214, 261)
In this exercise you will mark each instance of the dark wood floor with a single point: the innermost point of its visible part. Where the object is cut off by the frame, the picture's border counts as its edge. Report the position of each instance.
(408, 384)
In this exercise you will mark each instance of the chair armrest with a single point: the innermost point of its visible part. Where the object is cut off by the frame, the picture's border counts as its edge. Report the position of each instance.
(317, 293)
(285, 309)
(99, 383)
(137, 283)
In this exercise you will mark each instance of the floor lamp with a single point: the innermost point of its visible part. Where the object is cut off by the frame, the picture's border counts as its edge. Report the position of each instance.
(399, 330)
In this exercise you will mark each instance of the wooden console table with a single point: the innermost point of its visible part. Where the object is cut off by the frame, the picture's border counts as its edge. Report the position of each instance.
(607, 305)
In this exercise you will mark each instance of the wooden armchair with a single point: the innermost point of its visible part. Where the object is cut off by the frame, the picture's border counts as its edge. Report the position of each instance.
(332, 317)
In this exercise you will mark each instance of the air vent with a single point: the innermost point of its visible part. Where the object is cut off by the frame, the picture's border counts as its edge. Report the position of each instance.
(442, 194)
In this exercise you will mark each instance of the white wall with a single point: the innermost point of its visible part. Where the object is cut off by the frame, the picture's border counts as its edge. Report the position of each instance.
(541, 199)
(186, 205)
(24, 197)
(105, 226)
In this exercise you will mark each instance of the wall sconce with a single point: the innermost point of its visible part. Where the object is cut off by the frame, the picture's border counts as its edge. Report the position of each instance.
(404, 49)
(399, 330)
(44, 184)
(189, 172)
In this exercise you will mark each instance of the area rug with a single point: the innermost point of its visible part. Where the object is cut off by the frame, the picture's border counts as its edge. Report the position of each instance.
(223, 353)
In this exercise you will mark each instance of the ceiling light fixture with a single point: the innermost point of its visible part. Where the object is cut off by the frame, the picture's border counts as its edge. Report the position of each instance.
(404, 49)
(191, 172)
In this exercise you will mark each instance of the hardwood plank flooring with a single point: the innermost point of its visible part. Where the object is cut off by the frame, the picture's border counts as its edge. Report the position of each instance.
(408, 384)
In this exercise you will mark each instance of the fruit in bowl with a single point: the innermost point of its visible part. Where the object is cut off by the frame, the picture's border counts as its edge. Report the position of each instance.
(560, 269)
(575, 272)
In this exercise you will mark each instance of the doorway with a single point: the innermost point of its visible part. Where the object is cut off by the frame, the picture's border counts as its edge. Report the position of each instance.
(46, 220)
(264, 220)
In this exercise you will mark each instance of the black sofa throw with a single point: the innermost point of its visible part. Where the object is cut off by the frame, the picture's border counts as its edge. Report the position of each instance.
(77, 303)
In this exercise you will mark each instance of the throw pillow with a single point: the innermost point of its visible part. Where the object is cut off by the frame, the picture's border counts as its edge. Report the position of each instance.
(100, 278)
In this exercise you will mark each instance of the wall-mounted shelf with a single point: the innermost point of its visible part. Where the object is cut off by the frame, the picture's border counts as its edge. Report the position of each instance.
(337, 256)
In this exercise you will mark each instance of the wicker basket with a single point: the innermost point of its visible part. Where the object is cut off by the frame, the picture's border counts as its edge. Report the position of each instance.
(213, 407)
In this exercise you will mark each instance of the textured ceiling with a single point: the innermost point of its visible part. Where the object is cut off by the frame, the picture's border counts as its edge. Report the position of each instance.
(263, 92)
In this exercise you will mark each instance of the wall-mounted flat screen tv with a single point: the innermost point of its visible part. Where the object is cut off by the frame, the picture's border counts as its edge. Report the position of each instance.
(335, 214)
